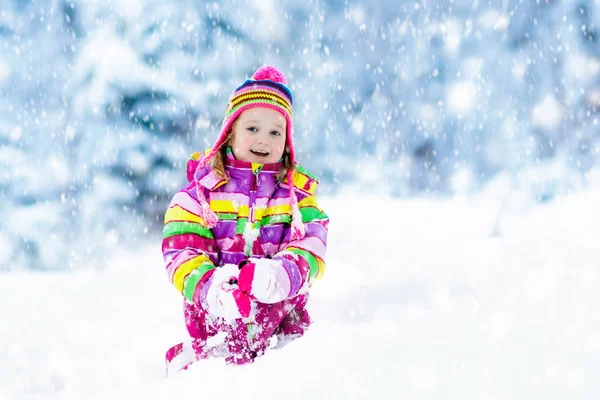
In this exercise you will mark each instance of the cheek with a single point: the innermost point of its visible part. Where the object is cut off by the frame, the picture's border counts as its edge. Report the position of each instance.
(280, 146)
(241, 144)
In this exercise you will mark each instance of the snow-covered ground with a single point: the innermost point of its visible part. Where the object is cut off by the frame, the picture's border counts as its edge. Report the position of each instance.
(422, 299)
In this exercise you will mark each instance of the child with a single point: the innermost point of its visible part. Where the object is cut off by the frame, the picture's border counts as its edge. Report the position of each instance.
(245, 238)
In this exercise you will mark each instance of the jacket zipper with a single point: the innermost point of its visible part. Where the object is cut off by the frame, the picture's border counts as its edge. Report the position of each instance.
(254, 187)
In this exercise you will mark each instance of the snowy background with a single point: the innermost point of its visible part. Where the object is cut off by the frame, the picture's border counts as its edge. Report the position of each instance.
(474, 124)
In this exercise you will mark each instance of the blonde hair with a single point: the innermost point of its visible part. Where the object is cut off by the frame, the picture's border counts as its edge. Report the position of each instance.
(218, 161)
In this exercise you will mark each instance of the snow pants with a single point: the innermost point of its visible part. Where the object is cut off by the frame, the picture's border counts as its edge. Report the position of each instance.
(246, 341)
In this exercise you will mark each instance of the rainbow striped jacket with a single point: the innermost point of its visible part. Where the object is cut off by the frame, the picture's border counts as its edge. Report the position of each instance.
(254, 216)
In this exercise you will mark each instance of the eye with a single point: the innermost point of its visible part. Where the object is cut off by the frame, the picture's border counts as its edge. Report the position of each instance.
(275, 133)
(252, 129)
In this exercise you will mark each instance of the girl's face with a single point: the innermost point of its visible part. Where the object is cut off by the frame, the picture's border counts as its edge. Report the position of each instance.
(259, 136)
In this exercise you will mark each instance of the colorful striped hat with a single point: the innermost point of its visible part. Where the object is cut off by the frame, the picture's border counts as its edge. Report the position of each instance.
(267, 88)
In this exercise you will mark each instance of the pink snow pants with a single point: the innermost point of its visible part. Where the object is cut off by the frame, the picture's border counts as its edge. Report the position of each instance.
(244, 341)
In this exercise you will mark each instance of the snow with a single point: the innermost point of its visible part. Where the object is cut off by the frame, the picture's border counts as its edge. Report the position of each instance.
(547, 114)
(4, 71)
(5, 245)
(437, 299)
(269, 21)
(452, 32)
(494, 19)
(462, 97)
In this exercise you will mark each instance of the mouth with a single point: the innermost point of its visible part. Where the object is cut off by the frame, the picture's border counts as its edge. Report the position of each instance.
(260, 153)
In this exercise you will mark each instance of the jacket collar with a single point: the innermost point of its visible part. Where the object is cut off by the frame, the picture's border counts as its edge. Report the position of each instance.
(238, 171)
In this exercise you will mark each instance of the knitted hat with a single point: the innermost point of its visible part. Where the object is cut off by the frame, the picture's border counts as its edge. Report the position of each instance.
(267, 88)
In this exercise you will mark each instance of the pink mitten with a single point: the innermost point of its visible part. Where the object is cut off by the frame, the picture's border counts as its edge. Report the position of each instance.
(265, 279)
(224, 298)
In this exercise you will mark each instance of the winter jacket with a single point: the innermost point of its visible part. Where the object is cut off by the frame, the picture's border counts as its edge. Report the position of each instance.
(254, 220)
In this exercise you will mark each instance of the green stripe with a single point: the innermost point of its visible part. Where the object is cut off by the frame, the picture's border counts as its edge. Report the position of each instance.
(303, 171)
(310, 213)
(276, 219)
(191, 281)
(179, 228)
(243, 103)
(241, 225)
(312, 261)
(227, 216)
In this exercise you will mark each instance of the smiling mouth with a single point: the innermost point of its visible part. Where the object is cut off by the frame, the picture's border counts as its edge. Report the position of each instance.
(260, 153)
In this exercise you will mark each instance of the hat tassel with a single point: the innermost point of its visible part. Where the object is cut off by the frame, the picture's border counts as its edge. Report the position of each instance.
(210, 218)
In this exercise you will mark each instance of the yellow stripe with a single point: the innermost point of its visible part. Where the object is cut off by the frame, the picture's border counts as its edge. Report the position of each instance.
(179, 214)
(281, 209)
(300, 180)
(226, 206)
(260, 213)
(186, 268)
(321, 265)
(223, 206)
(256, 166)
(309, 201)
(221, 183)
(243, 211)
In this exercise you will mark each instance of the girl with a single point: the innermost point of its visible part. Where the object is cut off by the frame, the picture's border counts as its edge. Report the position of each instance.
(245, 238)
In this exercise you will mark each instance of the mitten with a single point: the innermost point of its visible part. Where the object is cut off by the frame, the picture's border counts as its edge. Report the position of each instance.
(224, 299)
(265, 280)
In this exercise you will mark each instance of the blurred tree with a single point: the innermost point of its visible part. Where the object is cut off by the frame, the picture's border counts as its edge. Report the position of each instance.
(102, 102)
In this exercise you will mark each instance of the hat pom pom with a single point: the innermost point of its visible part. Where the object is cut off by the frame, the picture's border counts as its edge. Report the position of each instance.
(269, 73)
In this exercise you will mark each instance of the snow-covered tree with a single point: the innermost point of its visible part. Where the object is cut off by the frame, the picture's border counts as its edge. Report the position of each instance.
(101, 102)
